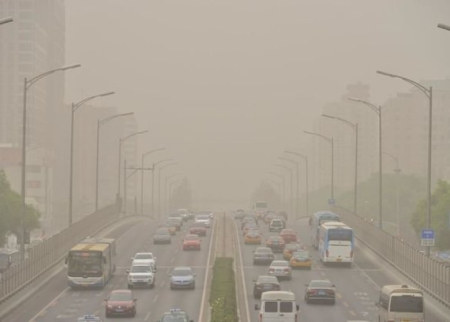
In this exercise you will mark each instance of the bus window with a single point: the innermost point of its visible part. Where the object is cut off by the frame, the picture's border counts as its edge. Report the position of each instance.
(406, 303)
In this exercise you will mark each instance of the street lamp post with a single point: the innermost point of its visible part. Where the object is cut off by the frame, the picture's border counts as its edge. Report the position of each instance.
(27, 84)
(304, 157)
(159, 184)
(397, 197)
(6, 20)
(74, 108)
(291, 180)
(353, 126)
(283, 180)
(153, 182)
(166, 179)
(144, 155)
(100, 123)
(331, 142)
(297, 182)
(428, 92)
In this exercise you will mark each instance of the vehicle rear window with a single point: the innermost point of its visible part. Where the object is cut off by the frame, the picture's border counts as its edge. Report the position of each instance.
(286, 307)
(271, 307)
(407, 303)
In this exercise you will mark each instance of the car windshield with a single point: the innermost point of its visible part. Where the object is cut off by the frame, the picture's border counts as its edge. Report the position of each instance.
(80, 266)
(319, 284)
(301, 255)
(267, 279)
(175, 318)
(120, 296)
(191, 237)
(275, 238)
(143, 256)
(280, 263)
(263, 250)
(140, 269)
(292, 246)
(162, 232)
(182, 272)
(406, 303)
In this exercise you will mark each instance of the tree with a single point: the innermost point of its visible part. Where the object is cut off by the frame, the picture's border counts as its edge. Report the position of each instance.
(11, 211)
(440, 213)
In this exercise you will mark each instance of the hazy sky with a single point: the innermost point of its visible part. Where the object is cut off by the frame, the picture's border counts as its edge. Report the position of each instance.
(227, 85)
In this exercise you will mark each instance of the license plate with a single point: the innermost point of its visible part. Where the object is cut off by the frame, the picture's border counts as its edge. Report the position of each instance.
(321, 293)
(339, 259)
(119, 310)
(279, 271)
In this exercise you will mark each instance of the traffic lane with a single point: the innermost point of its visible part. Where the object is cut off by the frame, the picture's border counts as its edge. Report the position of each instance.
(338, 312)
(53, 288)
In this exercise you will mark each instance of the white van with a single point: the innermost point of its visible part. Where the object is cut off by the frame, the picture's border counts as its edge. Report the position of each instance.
(400, 303)
(277, 306)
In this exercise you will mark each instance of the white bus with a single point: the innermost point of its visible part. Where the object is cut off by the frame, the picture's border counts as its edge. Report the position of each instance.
(336, 243)
(400, 303)
(318, 219)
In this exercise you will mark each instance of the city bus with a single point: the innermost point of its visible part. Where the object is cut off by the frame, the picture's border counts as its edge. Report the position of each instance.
(91, 263)
(400, 303)
(336, 243)
(8, 257)
(318, 219)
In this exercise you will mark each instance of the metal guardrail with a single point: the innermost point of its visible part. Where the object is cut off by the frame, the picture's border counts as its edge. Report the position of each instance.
(429, 273)
(43, 256)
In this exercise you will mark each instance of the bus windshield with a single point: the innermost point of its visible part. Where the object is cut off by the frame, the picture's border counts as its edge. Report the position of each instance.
(80, 266)
(340, 234)
(406, 303)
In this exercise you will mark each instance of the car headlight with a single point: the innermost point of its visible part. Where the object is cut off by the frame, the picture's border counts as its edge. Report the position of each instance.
(109, 306)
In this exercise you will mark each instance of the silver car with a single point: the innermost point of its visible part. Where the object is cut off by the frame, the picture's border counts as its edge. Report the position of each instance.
(280, 269)
(141, 275)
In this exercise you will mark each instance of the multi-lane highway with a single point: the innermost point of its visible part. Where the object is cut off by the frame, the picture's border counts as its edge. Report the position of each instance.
(56, 302)
(357, 287)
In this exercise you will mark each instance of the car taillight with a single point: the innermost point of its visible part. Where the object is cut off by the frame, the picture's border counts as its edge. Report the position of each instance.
(271, 270)
(286, 270)
(327, 253)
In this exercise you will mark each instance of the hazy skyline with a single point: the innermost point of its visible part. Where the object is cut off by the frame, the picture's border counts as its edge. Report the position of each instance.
(227, 86)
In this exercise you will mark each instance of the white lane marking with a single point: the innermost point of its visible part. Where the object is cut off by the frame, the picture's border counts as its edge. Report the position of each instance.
(172, 260)
(162, 283)
(208, 264)
(242, 274)
(155, 298)
(147, 317)
(41, 312)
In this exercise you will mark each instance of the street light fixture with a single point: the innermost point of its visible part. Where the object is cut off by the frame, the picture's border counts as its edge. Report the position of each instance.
(144, 155)
(397, 197)
(100, 123)
(331, 142)
(27, 84)
(159, 184)
(442, 26)
(298, 180)
(283, 180)
(354, 127)
(74, 108)
(291, 185)
(304, 157)
(428, 92)
(6, 20)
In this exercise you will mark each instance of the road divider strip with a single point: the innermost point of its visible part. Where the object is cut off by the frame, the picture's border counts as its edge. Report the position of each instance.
(223, 291)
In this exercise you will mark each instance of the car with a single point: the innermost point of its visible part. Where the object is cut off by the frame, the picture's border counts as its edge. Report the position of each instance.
(239, 214)
(268, 217)
(192, 242)
(171, 227)
(175, 315)
(276, 224)
(321, 291)
(198, 228)
(89, 318)
(141, 275)
(289, 235)
(175, 221)
(247, 226)
(162, 236)
(289, 249)
(252, 229)
(265, 283)
(205, 219)
(280, 269)
(301, 259)
(120, 303)
(247, 220)
(253, 237)
(146, 258)
(276, 243)
(182, 277)
(263, 255)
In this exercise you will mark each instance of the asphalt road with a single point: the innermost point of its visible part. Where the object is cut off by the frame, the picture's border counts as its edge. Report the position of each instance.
(57, 302)
(357, 287)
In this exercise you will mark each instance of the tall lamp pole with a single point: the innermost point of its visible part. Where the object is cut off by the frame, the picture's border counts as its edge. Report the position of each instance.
(297, 181)
(144, 155)
(159, 184)
(354, 127)
(397, 197)
(74, 108)
(27, 84)
(291, 180)
(153, 182)
(100, 123)
(304, 157)
(331, 142)
(283, 180)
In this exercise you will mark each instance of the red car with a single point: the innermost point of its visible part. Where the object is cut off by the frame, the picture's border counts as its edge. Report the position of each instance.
(198, 229)
(289, 235)
(191, 241)
(120, 302)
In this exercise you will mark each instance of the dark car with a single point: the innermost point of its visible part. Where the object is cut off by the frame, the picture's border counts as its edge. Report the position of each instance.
(276, 243)
(320, 291)
(263, 255)
(265, 283)
(198, 228)
(175, 315)
(121, 303)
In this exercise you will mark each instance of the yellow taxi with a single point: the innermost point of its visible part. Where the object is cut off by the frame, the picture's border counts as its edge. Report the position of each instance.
(289, 249)
(253, 237)
(300, 259)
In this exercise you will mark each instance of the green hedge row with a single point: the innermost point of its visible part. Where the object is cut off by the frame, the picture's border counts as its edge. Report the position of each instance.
(223, 291)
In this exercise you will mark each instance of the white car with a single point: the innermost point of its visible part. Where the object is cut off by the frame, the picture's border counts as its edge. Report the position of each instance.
(141, 275)
(280, 269)
(144, 259)
(203, 219)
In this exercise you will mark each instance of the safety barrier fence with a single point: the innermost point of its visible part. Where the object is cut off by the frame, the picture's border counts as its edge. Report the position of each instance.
(429, 273)
(44, 255)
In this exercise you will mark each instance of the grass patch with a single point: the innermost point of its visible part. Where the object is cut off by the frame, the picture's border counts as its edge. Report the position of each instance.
(223, 291)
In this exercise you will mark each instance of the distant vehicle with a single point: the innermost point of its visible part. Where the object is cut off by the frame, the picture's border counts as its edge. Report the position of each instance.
(162, 236)
(289, 249)
(276, 243)
(192, 242)
(170, 226)
(260, 207)
(8, 257)
(175, 221)
(320, 291)
(278, 306)
(198, 228)
(280, 269)
(175, 315)
(91, 263)
(265, 283)
(253, 237)
(205, 219)
(289, 235)
(400, 303)
(336, 243)
(318, 219)
(248, 226)
(141, 275)
(182, 277)
(263, 255)
(239, 214)
(276, 224)
(145, 259)
(120, 303)
(301, 259)
(89, 318)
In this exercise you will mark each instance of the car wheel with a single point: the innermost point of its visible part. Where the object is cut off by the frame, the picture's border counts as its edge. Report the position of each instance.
(130, 286)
